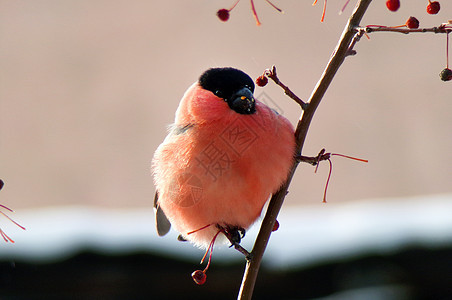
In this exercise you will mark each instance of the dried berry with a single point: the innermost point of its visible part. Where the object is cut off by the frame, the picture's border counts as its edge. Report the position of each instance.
(433, 7)
(446, 74)
(393, 5)
(223, 14)
(262, 81)
(275, 226)
(412, 23)
(199, 277)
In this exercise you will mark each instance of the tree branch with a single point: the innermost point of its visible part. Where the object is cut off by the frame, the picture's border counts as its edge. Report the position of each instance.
(271, 73)
(338, 57)
(443, 28)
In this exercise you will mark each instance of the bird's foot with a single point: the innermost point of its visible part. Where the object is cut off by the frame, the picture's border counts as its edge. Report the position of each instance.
(235, 234)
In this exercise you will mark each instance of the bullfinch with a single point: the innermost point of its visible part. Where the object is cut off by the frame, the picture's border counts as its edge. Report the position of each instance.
(224, 156)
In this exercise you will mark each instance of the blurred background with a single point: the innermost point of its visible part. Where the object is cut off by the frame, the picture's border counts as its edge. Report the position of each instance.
(87, 89)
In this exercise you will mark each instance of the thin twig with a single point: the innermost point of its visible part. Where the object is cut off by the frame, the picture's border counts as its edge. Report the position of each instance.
(360, 31)
(314, 160)
(242, 250)
(17, 224)
(271, 73)
(447, 50)
(443, 28)
(336, 60)
(359, 34)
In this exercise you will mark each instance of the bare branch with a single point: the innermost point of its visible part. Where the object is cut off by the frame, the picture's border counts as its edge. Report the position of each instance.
(336, 60)
(443, 28)
(271, 73)
(360, 31)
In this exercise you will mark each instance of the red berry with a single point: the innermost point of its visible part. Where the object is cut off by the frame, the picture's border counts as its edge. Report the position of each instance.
(433, 7)
(412, 23)
(199, 277)
(393, 5)
(1, 184)
(275, 226)
(262, 81)
(446, 74)
(223, 14)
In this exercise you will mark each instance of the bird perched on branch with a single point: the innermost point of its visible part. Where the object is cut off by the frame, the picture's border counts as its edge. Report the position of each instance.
(224, 156)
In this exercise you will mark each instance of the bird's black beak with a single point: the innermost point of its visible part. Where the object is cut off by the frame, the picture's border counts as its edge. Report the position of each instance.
(243, 102)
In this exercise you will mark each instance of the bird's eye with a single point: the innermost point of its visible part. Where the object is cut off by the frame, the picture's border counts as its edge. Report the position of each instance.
(218, 93)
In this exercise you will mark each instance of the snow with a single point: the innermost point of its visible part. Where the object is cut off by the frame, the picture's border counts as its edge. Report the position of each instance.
(307, 234)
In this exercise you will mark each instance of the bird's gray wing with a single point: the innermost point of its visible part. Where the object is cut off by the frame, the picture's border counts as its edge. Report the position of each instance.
(162, 224)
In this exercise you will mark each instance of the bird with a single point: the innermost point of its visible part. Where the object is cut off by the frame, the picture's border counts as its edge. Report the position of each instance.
(224, 156)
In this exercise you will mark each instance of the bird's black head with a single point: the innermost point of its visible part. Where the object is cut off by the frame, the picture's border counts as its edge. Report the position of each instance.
(233, 86)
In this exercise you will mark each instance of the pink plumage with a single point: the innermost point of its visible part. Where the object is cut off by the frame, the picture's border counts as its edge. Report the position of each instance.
(226, 153)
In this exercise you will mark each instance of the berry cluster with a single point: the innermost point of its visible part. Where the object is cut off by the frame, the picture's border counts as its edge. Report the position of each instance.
(223, 14)
(432, 7)
(393, 5)
(412, 23)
